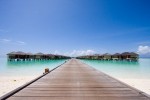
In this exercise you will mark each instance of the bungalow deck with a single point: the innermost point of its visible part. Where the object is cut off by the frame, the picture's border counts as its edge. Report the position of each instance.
(75, 80)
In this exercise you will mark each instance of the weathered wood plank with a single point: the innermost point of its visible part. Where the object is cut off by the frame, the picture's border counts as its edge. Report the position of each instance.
(78, 98)
(71, 88)
(81, 93)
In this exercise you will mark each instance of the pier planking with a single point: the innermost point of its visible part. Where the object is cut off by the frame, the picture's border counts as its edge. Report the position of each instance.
(75, 80)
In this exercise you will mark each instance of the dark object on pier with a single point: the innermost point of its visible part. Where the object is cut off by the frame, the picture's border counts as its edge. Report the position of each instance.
(46, 70)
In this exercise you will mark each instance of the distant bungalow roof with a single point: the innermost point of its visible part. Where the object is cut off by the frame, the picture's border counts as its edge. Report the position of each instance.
(11, 53)
(133, 53)
(116, 54)
(125, 53)
(106, 54)
(129, 53)
(96, 55)
(50, 55)
(39, 53)
(29, 53)
(16, 53)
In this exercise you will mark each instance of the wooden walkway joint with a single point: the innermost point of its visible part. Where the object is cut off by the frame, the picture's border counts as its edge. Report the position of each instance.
(75, 80)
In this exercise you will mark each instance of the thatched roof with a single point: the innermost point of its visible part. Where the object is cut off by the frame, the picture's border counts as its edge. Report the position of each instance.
(11, 53)
(116, 54)
(49, 55)
(125, 53)
(16, 53)
(29, 53)
(107, 54)
(39, 53)
(96, 55)
(129, 53)
(133, 53)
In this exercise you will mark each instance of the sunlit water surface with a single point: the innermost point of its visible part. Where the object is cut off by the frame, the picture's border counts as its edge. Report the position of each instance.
(123, 69)
(26, 68)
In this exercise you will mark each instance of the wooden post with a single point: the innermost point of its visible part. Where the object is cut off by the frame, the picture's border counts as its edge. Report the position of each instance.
(46, 70)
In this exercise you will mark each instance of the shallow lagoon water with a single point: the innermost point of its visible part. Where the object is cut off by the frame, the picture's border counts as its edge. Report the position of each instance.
(119, 69)
(136, 74)
(123, 69)
(26, 68)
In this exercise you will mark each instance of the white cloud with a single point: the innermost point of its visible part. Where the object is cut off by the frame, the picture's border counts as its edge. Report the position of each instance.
(143, 49)
(75, 53)
(20, 42)
(144, 43)
(5, 40)
(11, 42)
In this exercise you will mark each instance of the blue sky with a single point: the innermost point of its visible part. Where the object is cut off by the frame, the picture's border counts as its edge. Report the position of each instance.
(75, 27)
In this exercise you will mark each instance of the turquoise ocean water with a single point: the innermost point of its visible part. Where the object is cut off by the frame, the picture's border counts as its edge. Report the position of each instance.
(118, 69)
(123, 69)
(26, 68)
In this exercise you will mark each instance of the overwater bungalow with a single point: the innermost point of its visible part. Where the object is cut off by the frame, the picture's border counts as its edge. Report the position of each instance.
(130, 56)
(21, 56)
(116, 56)
(56, 57)
(11, 56)
(61, 57)
(16, 56)
(89, 57)
(100, 57)
(134, 56)
(106, 56)
(29, 56)
(96, 57)
(64, 57)
(80, 57)
(50, 56)
(39, 56)
(84, 57)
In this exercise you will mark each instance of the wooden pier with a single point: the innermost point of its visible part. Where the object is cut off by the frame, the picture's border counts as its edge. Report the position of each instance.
(75, 80)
